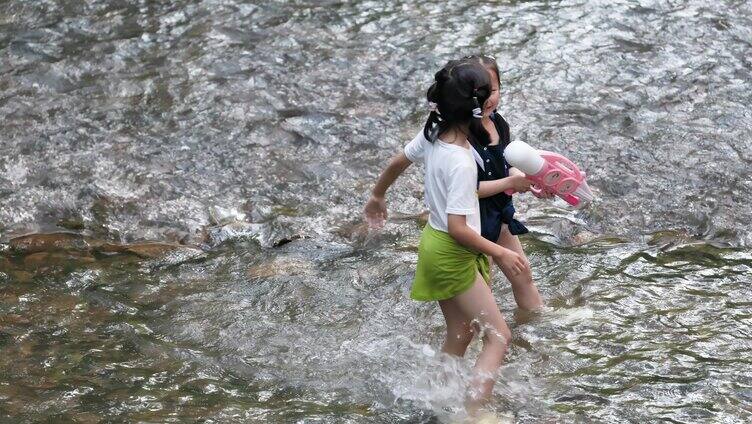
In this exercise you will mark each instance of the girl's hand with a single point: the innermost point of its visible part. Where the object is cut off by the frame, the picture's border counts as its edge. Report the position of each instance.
(545, 194)
(375, 212)
(510, 262)
(514, 171)
(520, 183)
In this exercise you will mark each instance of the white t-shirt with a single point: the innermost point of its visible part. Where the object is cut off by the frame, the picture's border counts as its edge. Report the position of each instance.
(451, 181)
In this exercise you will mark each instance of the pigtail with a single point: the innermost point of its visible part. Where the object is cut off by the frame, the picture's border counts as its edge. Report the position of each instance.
(430, 129)
(435, 124)
(477, 131)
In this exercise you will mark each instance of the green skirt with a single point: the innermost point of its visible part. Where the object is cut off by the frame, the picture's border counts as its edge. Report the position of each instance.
(445, 267)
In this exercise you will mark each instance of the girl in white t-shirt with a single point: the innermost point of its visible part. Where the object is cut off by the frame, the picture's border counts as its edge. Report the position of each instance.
(453, 268)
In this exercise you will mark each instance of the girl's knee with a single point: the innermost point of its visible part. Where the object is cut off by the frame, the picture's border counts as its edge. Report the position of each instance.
(524, 278)
(499, 337)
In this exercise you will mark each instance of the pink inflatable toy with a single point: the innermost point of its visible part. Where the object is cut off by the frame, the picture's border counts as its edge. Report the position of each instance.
(550, 172)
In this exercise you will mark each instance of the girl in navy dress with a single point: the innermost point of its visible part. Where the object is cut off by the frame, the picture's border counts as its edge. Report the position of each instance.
(495, 176)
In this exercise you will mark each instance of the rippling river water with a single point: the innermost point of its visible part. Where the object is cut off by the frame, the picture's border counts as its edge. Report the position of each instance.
(180, 196)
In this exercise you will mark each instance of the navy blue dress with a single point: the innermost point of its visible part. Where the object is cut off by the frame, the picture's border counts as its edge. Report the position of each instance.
(497, 209)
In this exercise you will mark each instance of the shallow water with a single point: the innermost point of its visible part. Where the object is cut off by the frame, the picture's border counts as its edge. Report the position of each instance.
(240, 140)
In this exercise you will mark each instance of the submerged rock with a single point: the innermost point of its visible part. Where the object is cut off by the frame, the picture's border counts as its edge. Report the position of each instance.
(33, 243)
(281, 267)
(22, 276)
(669, 238)
(39, 253)
(42, 259)
(155, 250)
(268, 234)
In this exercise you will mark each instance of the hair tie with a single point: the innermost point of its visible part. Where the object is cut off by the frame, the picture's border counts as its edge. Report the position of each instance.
(434, 107)
(477, 112)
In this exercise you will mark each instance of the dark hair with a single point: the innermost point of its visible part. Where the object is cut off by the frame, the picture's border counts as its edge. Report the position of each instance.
(489, 62)
(459, 87)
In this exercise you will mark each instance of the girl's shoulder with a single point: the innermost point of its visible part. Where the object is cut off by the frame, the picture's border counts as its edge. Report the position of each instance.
(498, 118)
(502, 127)
(458, 159)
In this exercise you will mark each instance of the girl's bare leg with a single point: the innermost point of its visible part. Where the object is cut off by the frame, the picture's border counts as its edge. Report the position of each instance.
(460, 330)
(477, 304)
(525, 292)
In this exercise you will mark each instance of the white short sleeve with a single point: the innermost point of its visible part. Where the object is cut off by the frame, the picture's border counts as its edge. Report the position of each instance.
(416, 149)
(462, 197)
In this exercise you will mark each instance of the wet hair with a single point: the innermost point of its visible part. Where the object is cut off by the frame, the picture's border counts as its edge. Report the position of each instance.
(459, 88)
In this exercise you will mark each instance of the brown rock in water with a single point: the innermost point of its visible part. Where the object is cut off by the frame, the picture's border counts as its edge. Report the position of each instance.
(264, 270)
(25, 348)
(280, 267)
(583, 237)
(44, 384)
(60, 304)
(75, 224)
(38, 252)
(111, 248)
(154, 250)
(42, 260)
(13, 319)
(37, 260)
(33, 243)
(14, 399)
(5, 264)
(22, 276)
(86, 418)
(669, 238)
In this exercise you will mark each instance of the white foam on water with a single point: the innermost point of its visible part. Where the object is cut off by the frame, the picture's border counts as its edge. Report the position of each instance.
(569, 315)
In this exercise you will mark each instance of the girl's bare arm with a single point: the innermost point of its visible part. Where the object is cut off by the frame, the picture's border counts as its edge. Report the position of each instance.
(375, 210)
